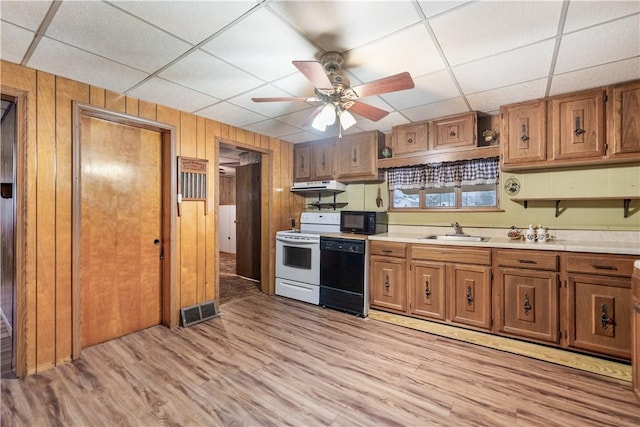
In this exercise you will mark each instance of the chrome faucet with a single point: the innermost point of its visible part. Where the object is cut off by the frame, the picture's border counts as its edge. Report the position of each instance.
(457, 228)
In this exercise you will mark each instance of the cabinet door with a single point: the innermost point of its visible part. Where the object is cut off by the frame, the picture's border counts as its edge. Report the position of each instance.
(524, 132)
(470, 295)
(624, 133)
(302, 162)
(388, 284)
(410, 139)
(322, 155)
(357, 156)
(578, 125)
(600, 314)
(427, 287)
(452, 133)
(528, 304)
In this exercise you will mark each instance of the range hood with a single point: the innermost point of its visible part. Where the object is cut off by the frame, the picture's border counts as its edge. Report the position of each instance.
(321, 186)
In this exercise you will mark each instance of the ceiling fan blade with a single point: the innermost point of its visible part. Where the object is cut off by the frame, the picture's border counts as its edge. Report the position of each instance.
(368, 111)
(315, 73)
(393, 83)
(287, 99)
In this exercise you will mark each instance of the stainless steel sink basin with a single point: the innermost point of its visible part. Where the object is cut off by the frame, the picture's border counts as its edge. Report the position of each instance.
(457, 238)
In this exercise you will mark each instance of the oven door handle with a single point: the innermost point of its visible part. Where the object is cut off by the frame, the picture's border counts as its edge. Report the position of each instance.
(297, 242)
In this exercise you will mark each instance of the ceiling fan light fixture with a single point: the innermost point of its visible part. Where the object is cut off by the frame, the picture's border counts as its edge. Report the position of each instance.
(346, 120)
(327, 117)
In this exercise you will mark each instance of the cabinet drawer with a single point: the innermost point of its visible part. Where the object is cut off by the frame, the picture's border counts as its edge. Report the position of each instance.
(393, 249)
(462, 255)
(534, 260)
(599, 264)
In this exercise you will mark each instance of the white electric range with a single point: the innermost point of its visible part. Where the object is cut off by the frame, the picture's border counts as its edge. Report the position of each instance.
(298, 256)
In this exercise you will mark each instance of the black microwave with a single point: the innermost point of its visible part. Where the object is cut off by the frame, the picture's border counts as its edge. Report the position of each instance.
(363, 222)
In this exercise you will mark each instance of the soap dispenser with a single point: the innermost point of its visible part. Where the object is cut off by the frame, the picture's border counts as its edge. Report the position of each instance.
(530, 234)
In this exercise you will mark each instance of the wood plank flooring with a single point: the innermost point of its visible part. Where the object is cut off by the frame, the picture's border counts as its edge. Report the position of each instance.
(273, 361)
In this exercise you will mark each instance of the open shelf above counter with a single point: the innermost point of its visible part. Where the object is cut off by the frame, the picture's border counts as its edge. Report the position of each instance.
(626, 201)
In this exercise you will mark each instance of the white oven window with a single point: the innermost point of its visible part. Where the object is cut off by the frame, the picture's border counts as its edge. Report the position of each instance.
(296, 257)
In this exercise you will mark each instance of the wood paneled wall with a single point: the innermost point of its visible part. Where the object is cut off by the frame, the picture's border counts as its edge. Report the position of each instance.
(47, 187)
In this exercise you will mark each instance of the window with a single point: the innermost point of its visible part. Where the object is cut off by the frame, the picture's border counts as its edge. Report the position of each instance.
(464, 185)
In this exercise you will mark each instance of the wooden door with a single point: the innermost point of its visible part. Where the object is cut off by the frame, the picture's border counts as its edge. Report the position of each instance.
(524, 132)
(120, 229)
(456, 132)
(302, 162)
(248, 221)
(624, 132)
(470, 296)
(388, 286)
(322, 160)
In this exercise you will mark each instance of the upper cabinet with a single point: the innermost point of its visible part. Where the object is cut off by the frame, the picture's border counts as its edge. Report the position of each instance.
(302, 162)
(623, 132)
(578, 125)
(453, 133)
(577, 129)
(524, 132)
(357, 155)
(313, 161)
(410, 139)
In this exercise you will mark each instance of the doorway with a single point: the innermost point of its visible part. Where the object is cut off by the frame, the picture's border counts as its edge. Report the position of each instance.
(7, 231)
(239, 222)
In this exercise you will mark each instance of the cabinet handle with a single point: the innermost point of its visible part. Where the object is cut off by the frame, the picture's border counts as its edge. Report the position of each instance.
(604, 267)
(323, 163)
(355, 155)
(302, 162)
(452, 133)
(386, 282)
(427, 291)
(387, 251)
(579, 131)
(526, 304)
(409, 140)
(604, 316)
(524, 136)
(527, 261)
(469, 295)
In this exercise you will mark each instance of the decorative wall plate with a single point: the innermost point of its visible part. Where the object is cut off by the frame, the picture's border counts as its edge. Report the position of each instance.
(512, 186)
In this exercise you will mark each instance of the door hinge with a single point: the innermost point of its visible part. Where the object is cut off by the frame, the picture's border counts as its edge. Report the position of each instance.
(162, 253)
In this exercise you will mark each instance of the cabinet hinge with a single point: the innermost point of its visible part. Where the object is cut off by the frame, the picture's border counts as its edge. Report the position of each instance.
(565, 335)
(558, 282)
(606, 148)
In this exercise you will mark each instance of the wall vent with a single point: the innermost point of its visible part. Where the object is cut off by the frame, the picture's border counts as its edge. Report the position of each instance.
(199, 313)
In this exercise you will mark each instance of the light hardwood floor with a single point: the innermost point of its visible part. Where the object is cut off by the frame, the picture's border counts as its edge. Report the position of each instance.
(273, 361)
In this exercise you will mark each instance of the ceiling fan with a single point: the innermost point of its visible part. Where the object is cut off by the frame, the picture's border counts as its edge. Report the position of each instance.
(336, 96)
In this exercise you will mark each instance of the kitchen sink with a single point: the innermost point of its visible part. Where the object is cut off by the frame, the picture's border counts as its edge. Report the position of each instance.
(457, 238)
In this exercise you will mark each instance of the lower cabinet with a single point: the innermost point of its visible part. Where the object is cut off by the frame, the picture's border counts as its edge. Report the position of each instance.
(599, 302)
(571, 300)
(527, 294)
(427, 287)
(388, 275)
(470, 295)
(635, 329)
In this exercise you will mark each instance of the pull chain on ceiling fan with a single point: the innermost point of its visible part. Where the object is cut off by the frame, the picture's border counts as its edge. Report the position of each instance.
(333, 91)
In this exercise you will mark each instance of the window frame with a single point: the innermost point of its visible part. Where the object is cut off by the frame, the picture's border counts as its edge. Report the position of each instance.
(422, 207)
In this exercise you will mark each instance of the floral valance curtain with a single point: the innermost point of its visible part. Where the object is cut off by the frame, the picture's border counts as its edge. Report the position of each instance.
(446, 174)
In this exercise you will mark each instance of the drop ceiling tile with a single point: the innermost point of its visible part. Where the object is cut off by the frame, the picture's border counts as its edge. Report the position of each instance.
(70, 62)
(298, 118)
(205, 73)
(436, 110)
(516, 66)
(299, 137)
(489, 27)
(586, 13)
(194, 23)
(411, 50)
(233, 115)
(27, 14)
(262, 45)
(383, 125)
(491, 100)
(602, 75)
(432, 8)
(295, 85)
(430, 88)
(585, 48)
(170, 94)
(14, 42)
(332, 25)
(272, 128)
(106, 31)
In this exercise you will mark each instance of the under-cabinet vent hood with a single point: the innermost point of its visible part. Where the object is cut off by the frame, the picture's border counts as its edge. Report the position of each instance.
(315, 186)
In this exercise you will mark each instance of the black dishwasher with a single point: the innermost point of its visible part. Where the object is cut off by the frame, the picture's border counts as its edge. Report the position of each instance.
(343, 275)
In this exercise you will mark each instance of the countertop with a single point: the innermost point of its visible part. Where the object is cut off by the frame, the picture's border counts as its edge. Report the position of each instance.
(596, 243)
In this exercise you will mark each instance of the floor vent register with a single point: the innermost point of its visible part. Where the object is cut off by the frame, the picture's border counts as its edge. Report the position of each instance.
(199, 313)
